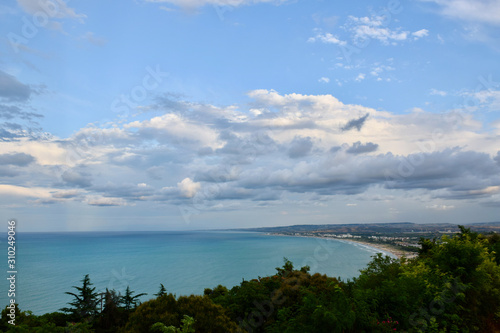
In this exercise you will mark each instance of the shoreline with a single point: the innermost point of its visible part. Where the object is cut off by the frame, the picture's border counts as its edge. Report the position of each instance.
(383, 248)
(378, 249)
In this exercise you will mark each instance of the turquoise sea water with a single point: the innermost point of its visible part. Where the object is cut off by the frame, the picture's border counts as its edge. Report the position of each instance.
(49, 264)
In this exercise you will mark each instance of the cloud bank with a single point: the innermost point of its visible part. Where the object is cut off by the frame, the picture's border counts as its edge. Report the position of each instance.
(279, 147)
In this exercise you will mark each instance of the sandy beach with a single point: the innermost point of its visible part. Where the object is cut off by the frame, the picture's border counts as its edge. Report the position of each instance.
(384, 249)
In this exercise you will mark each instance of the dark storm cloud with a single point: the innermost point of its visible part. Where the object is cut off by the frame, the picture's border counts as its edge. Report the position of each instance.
(491, 203)
(66, 194)
(77, 178)
(128, 191)
(7, 135)
(355, 123)
(170, 102)
(11, 90)
(9, 111)
(216, 174)
(14, 96)
(335, 149)
(12, 126)
(17, 159)
(244, 149)
(463, 174)
(300, 147)
(359, 148)
(8, 172)
(456, 174)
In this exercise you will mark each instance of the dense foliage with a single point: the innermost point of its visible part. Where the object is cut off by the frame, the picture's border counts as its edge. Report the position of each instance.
(452, 286)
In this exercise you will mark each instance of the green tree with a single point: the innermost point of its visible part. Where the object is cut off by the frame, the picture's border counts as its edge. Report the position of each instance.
(209, 317)
(161, 309)
(162, 291)
(84, 305)
(286, 269)
(318, 305)
(465, 265)
(186, 327)
(426, 245)
(21, 317)
(384, 290)
(494, 246)
(112, 316)
(129, 300)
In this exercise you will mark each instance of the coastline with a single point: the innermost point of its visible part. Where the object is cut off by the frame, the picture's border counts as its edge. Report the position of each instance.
(382, 248)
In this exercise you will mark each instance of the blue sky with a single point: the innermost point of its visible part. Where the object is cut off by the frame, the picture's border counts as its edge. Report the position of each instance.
(194, 114)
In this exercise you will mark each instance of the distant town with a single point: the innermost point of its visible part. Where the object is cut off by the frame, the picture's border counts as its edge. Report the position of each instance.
(400, 238)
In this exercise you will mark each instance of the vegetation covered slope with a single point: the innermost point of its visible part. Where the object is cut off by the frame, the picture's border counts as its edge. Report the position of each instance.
(452, 286)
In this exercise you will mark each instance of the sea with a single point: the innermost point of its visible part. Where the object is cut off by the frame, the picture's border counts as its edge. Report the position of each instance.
(50, 264)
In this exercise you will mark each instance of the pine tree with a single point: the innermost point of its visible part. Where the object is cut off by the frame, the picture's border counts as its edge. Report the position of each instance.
(130, 301)
(111, 315)
(84, 305)
(162, 291)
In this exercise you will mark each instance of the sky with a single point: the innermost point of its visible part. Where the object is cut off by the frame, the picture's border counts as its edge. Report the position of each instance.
(206, 114)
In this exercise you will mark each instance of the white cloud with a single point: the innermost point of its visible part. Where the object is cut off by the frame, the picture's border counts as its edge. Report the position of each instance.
(344, 66)
(441, 207)
(324, 80)
(360, 77)
(46, 152)
(480, 11)
(172, 126)
(93, 39)
(485, 191)
(283, 145)
(273, 98)
(67, 194)
(420, 33)
(382, 34)
(200, 3)
(489, 99)
(364, 28)
(379, 69)
(167, 9)
(438, 92)
(105, 201)
(188, 188)
(326, 38)
(53, 9)
(28, 192)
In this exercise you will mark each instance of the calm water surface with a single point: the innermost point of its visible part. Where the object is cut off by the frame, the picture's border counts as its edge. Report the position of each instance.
(49, 264)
